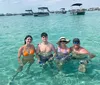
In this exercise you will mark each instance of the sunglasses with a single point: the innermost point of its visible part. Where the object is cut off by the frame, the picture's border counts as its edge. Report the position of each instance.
(76, 43)
(62, 41)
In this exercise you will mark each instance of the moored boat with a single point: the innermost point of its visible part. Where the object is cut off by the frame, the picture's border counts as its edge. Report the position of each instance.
(42, 11)
(79, 11)
(28, 13)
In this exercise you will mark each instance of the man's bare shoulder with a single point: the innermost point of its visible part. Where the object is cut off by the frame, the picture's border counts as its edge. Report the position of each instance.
(50, 44)
(39, 44)
(83, 50)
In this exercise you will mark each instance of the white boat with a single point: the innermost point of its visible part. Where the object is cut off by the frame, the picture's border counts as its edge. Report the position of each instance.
(42, 11)
(28, 13)
(78, 11)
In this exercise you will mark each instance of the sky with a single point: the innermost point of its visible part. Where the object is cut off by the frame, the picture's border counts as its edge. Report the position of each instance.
(19, 6)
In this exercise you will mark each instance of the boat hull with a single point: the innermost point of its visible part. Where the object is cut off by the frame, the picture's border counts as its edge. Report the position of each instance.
(27, 14)
(75, 12)
(39, 14)
(80, 13)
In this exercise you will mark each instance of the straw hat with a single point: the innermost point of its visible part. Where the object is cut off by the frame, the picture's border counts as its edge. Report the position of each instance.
(63, 39)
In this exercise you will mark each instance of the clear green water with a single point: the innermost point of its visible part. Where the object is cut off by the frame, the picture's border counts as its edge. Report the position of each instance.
(13, 29)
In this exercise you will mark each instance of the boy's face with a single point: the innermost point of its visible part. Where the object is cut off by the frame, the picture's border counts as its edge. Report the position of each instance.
(44, 38)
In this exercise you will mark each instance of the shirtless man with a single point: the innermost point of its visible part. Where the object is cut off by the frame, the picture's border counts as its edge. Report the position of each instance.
(45, 51)
(80, 53)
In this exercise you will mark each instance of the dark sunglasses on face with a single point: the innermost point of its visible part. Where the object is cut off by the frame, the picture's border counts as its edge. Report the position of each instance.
(62, 41)
(76, 43)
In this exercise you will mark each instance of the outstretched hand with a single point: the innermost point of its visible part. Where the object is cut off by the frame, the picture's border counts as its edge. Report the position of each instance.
(92, 55)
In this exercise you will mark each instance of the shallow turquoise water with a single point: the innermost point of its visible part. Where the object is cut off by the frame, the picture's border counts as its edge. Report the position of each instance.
(13, 29)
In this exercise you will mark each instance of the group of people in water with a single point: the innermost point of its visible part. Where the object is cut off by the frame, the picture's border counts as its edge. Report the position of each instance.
(46, 53)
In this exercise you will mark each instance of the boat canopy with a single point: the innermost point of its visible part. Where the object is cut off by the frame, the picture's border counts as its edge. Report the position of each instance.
(28, 10)
(63, 8)
(42, 8)
(77, 4)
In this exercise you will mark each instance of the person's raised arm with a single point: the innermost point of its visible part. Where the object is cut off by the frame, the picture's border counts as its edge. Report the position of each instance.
(84, 51)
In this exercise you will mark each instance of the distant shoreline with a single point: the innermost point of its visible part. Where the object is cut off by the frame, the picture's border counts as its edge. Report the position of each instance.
(14, 14)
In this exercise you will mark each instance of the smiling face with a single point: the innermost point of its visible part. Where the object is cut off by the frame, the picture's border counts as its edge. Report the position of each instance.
(76, 43)
(28, 40)
(62, 43)
(76, 46)
(44, 38)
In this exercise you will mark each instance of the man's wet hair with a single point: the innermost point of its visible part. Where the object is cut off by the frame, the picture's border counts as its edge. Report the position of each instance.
(44, 34)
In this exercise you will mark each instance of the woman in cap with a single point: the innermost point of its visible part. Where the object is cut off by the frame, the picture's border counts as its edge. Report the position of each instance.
(80, 53)
(62, 52)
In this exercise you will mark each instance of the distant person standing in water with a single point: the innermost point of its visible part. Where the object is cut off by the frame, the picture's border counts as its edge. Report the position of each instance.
(27, 51)
(80, 53)
(45, 51)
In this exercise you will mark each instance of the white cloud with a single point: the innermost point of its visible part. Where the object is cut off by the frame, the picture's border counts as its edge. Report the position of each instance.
(29, 1)
(1, 1)
(53, 1)
(16, 2)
